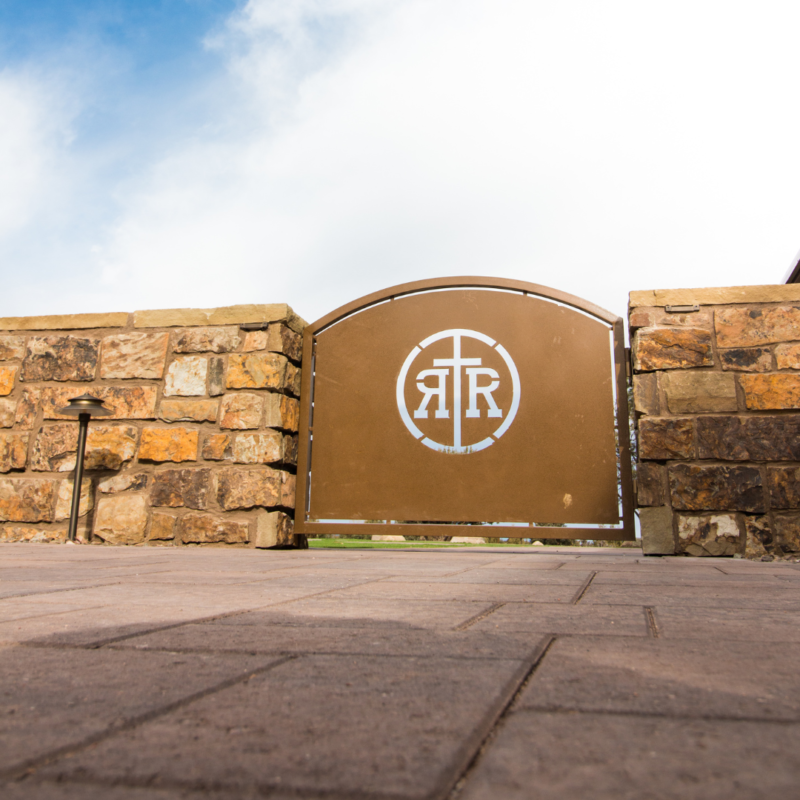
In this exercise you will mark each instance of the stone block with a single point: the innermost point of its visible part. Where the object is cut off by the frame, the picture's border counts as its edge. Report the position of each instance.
(288, 489)
(13, 451)
(168, 444)
(716, 488)
(121, 519)
(746, 359)
(787, 534)
(134, 355)
(650, 484)
(292, 380)
(748, 327)
(768, 392)
(645, 394)
(290, 450)
(27, 407)
(700, 392)
(217, 447)
(723, 438)
(134, 402)
(64, 322)
(64, 499)
(663, 438)
(12, 348)
(60, 358)
(658, 538)
(258, 448)
(709, 535)
(24, 533)
(228, 315)
(188, 410)
(238, 488)
(762, 438)
(170, 318)
(205, 529)
(759, 537)
(716, 295)
(281, 339)
(256, 371)
(783, 484)
(671, 348)
(274, 529)
(787, 356)
(177, 488)
(162, 527)
(26, 500)
(255, 340)
(207, 340)
(107, 447)
(128, 481)
(216, 376)
(8, 376)
(282, 412)
(186, 377)
(241, 411)
(8, 413)
(640, 318)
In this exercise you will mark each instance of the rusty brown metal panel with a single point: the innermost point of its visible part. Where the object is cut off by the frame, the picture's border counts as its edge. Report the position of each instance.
(534, 441)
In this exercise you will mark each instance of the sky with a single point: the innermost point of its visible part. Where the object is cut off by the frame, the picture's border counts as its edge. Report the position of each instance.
(198, 153)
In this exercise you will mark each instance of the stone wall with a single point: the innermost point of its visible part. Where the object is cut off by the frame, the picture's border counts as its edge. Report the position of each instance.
(716, 385)
(201, 447)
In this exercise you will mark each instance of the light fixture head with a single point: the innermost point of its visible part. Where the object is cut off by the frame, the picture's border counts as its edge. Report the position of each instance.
(86, 404)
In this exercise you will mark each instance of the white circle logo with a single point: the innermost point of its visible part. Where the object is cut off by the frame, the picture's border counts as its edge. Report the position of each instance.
(440, 389)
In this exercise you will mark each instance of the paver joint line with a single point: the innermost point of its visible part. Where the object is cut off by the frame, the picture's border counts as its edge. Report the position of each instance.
(478, 617)
(615, 712)
(20, 770)
(652, 623)
(584, 588)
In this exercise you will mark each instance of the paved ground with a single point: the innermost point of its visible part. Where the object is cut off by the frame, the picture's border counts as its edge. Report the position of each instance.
(163, 673)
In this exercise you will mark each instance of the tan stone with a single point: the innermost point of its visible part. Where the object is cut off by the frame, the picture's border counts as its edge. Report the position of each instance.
(107, 447)
(60, 358)
(258, 448)
(288, 489)
(716, 295)
(8, 376)
(13, 451)
(168, 444)
(121, 519)
(292, 379)
(188, 410)
(54, 448)
(765, 392)
(650, 480)
(701, 391)
(274, 529)
(64, 322)
(134, 402)
(186, 376)
(281, 339)
(640, 319)
(181, 487)
(23, 533)
(787, 534)
(645, 393)
(746, 359)
(658, 538)
(205, 529)
(27, 408)
(787, 356)
(64, 499)
(26, 500)
(8, 413)
(204, 340)
(228, 315)
(134, 355)
(746, 327)
(256, 371)
(170, 318)
(133, 481)
(709, 535)
(759, 537)
(671, 348)
(162, 527)
(255, 340)
(241, 411)
(703, 318)
(239, 488)
(282, 412)
(12, 348)
(217, 447)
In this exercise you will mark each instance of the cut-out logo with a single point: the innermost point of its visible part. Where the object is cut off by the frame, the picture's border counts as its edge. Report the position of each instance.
(443, 386)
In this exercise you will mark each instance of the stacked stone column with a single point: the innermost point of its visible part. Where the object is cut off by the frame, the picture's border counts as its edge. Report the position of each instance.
(201, 447)
(716, 388)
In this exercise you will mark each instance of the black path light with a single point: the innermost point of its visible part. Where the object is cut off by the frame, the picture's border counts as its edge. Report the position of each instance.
(83, 408)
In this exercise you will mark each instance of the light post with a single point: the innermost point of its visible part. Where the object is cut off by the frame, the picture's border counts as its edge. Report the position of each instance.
(81, 407)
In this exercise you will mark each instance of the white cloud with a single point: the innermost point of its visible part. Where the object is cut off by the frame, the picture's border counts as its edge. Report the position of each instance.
(596, 148)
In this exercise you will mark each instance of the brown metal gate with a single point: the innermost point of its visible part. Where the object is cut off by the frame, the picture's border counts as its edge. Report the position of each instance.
(465, 406)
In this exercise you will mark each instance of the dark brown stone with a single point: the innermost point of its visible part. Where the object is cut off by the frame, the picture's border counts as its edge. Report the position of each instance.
(205, 529)
(181, 487)
(746, 359)
(716, 488)
(784, 487)
(60, 358)
(645, 394)
(767, 438)
(787, 534)
(13, 451)
(662, 438)
(240, 488)
(216, 376)
(292, 379)
(27, 500)
(290, 450)
(760, 538)
(671, 348)
(281, 339)
(649, 484)
(217, 447)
